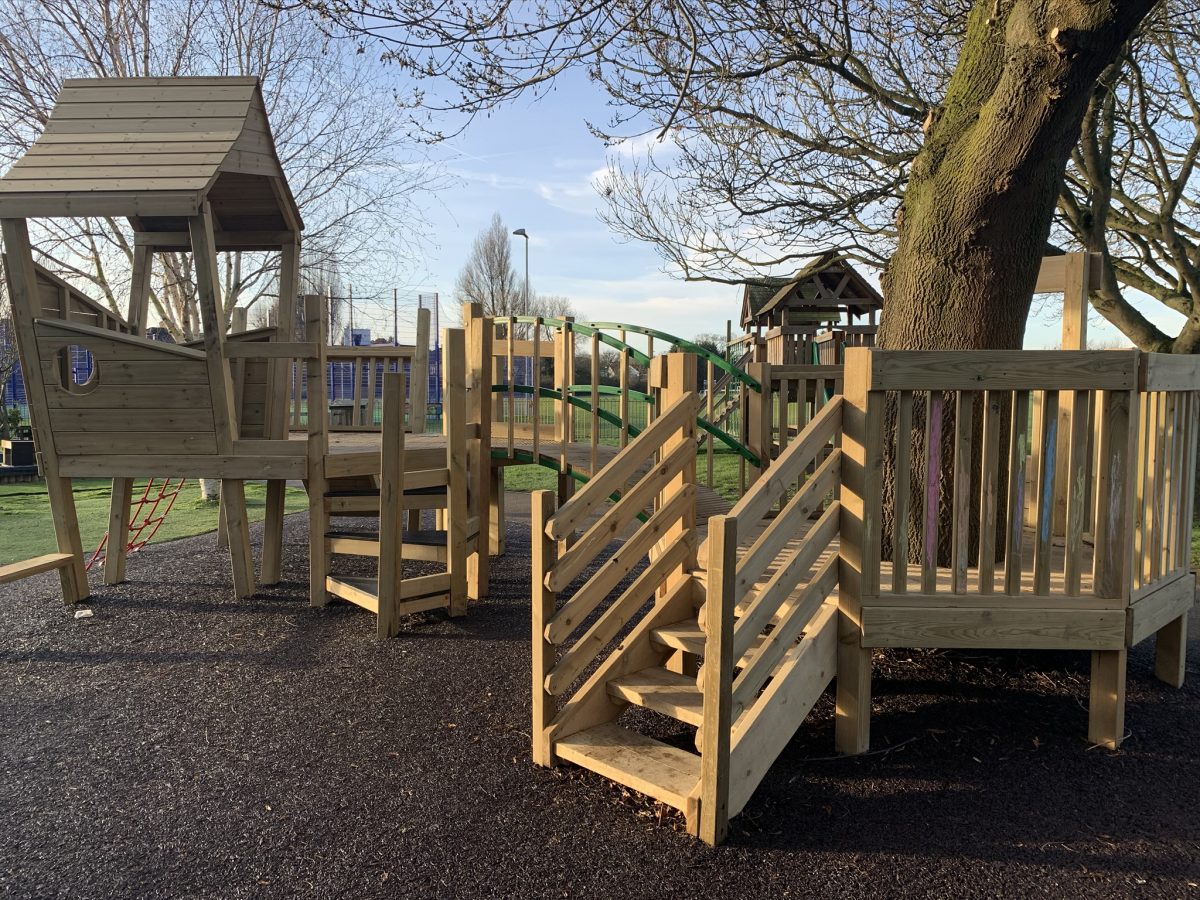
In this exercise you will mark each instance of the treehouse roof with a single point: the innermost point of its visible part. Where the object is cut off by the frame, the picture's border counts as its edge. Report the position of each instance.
(822, 289)
(155, 150)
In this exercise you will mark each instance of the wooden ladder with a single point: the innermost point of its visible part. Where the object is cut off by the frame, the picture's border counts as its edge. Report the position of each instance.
(402, 491)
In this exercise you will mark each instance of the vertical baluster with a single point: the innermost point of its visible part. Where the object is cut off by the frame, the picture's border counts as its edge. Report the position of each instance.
(1015, 509)
(708, 442)
(989, 476)
(933, 471)
(595, 376)
(535, 378)
(1079, 454)
(903, 500)
(509, 379)
(1047, 443)
(961, 513)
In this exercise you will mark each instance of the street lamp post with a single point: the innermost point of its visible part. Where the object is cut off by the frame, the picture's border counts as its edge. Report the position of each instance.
(521, 232)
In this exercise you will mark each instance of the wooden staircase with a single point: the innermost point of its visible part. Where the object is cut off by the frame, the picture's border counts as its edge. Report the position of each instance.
(739, 647)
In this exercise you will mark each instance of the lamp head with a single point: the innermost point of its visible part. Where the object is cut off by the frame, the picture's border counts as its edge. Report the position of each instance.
(522, 233)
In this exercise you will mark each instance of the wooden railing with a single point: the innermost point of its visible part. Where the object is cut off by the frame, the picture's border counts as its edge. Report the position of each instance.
(659, 466)
(831, 345)
(1166, 471)
(769, 620)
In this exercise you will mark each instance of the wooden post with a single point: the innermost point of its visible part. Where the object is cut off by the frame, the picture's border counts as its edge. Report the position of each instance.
(454, 412)
(276, 414)
(479, 449)
(221, 388)
(23, 291)
(543, 611)
(758, 417)
(1118, 413)
(318, 448)
(859, 548)
(418, 383)
(391, 506)
(139, 290)
(717, 679)
(1074, 337)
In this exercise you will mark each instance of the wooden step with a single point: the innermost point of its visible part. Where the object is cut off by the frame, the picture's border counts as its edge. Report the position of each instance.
(662, 691)
(640, 763)
(419, 594)
(689, 637)
(686, 635)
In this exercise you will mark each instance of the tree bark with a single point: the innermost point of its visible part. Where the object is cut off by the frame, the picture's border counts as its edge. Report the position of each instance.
(982, 192)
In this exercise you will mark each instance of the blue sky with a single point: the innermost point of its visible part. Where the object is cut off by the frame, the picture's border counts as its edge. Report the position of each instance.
(534, 162)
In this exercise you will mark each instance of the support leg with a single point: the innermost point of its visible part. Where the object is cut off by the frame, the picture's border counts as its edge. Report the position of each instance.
(241, 561)
(1170, 651)
(496, 529)
(118, 530)
(1106, 708)
(66, 533)
(272, 549)
(852, 725)
(222, 528)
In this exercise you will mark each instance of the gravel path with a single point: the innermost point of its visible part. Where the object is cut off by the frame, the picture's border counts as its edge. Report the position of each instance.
(183, 744)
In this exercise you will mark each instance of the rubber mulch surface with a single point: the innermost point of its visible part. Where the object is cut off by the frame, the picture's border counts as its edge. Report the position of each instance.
(180, 743)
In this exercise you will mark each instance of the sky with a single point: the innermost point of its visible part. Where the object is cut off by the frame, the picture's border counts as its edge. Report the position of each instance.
(535, 163)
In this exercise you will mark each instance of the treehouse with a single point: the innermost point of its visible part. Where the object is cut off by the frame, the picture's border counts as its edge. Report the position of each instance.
(812, 316)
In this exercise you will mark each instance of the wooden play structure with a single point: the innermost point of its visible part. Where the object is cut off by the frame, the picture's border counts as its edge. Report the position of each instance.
(1029, 500)
(1024, 500)
(191, 164)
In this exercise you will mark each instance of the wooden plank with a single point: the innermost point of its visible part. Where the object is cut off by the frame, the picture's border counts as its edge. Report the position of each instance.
(1015, 507)
(1118, 419)
(1047, 439)
(616, 615)
(754, 505)
(761, 607)
(716, 679)
(27, 568)
(613, 477)
(78, 443)
(1166, 603)
(761, 734)
(246, 468)
(989, 499)
(454, 405)
(931, 495)
(1106, 706)
(858, 549)
(57, 333)
(790, 522)
(617, 517)
(903, 499)
(543, 601)
(1169, 372)
(974, 370)
(1170, 651)
(663, 691)
(641, 763)
(391, 506)
(1000, 601)
(964, 425)
(993, 628)
(620, 564)
(122, 420)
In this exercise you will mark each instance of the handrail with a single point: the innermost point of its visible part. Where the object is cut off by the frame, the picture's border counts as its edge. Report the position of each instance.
(613, 476)
(594, 328)
(552, 394)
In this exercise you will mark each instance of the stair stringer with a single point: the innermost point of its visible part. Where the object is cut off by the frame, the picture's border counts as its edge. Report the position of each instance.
(592, 704)
(762, 731)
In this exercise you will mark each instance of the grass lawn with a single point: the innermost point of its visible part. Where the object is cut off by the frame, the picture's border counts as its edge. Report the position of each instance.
(25, 528)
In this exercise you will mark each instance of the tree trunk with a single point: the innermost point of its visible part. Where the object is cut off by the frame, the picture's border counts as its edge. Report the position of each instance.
(982, 191)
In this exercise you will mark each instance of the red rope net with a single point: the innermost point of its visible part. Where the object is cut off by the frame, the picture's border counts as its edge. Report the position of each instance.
(145, 518)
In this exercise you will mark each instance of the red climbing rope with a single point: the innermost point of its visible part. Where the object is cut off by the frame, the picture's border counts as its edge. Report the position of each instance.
(167, 491)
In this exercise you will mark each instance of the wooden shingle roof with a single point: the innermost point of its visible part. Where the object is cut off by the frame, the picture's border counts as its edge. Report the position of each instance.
(825, 286)
(153, 150)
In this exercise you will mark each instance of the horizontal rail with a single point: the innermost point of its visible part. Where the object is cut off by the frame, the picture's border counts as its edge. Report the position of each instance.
(1001, 370)
(579, 402)
(622, 468)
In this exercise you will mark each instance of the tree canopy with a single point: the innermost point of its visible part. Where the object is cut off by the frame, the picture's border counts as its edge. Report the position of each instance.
(783, 128)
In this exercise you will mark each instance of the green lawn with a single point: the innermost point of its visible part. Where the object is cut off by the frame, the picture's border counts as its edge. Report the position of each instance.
(25, 528)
